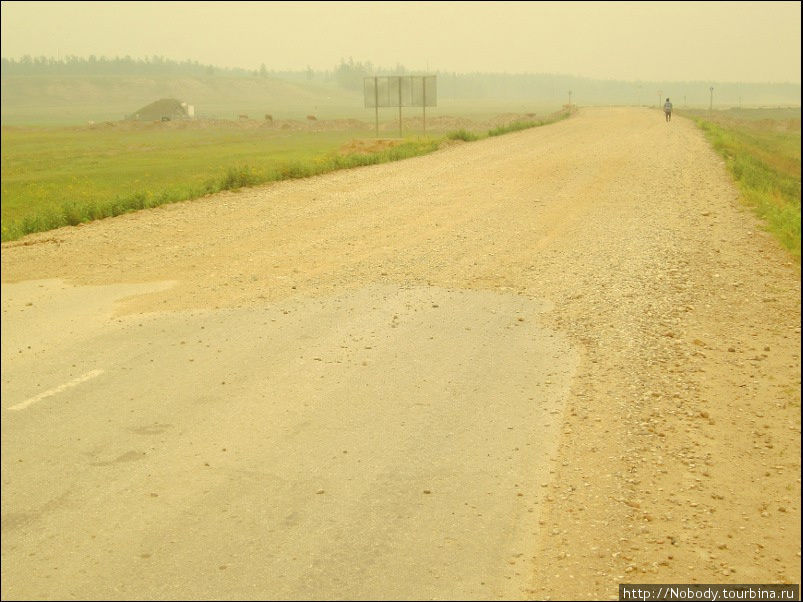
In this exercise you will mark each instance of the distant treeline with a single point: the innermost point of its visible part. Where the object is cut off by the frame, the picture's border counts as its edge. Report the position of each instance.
(349, 74)
(94, 65)
(559, 88)
(581, 90)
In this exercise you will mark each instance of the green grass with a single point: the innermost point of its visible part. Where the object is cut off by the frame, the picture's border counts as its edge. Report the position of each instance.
(464, 135)
(59, 177)
(514, 127)
(762, 151)
(53, 177)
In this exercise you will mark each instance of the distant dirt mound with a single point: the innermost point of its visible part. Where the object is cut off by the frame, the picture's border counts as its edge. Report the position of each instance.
(323, 125)
(439, 124)
(344, 125)
(447, 123)
(163, 109)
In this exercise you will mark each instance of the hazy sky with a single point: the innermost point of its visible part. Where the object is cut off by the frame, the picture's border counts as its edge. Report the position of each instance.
(708, 41)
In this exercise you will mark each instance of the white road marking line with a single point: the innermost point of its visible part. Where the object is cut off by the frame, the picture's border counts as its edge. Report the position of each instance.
(76, 381)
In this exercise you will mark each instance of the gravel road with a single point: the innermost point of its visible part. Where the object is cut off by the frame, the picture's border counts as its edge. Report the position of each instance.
(537, 365)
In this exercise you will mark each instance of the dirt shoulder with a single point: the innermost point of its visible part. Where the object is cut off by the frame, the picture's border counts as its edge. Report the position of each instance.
(679, 458)
(680, 453)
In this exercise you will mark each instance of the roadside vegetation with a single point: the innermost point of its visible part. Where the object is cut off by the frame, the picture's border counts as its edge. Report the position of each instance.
(761, 148)
(54, 177)
(514, 126)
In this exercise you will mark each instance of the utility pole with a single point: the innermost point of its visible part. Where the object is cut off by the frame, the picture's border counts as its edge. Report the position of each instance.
(711, 102)
(570, 99)
(424, 94)
(660, 96)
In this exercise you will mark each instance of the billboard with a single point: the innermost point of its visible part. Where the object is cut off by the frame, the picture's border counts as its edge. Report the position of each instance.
(400, 91)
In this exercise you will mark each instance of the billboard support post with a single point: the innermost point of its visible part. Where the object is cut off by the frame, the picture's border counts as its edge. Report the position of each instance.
(400, 91)
(424, 104)
(376, 103)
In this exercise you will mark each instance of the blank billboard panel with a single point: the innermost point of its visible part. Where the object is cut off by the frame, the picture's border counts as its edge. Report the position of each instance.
(400, 90)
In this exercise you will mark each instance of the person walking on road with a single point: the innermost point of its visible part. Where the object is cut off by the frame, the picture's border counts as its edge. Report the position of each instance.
(668, 110)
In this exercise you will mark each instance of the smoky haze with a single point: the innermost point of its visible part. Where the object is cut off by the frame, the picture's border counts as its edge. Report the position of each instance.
(651, 41)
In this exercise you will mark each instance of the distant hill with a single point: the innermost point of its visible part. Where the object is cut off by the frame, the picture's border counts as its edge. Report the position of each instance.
(54, 99)
(75, 90)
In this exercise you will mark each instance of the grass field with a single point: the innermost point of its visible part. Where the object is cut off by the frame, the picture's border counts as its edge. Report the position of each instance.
(762, 150)
(53, 177)
(56, 177)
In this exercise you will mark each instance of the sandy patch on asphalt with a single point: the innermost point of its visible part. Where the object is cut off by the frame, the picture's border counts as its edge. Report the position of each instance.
(37, 314)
